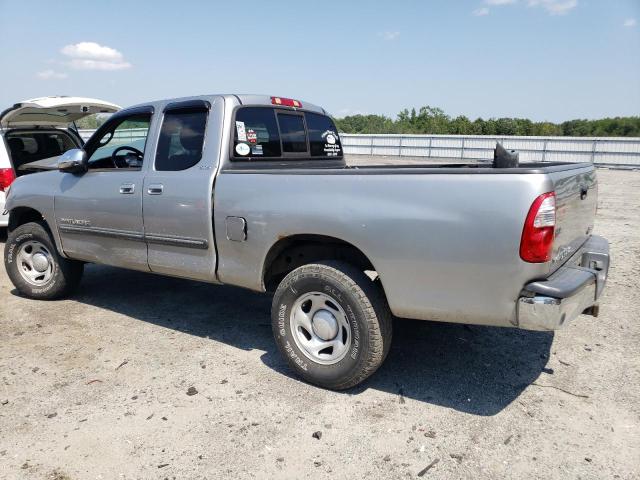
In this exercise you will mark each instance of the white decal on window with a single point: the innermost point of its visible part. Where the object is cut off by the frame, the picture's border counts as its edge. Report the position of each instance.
(243, 149)
(331, 148)
(242, 133)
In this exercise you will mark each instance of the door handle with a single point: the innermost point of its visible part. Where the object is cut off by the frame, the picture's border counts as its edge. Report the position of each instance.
(155, 189)
(127, 188)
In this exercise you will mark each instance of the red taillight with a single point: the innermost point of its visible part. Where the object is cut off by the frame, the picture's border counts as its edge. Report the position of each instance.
(539, 227)
(6, 178)
(287, 102)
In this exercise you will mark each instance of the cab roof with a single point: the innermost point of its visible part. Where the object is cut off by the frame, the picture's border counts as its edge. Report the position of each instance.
(241, 99)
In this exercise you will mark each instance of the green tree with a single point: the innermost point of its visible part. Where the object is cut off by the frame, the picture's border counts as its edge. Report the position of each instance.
(433, 120)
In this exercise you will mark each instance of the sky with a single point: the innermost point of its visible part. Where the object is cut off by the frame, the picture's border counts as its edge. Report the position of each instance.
(549, 60)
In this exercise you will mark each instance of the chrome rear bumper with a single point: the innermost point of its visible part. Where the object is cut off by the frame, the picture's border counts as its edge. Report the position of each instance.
(568, 292)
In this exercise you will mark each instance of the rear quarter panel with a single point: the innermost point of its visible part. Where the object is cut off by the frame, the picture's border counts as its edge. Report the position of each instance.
(446, 246)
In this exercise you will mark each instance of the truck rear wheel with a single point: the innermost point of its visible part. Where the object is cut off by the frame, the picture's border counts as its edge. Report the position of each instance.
(34, 265)
(331, 323)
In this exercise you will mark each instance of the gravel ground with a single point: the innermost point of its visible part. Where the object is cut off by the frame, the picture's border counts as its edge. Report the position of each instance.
(100, 386)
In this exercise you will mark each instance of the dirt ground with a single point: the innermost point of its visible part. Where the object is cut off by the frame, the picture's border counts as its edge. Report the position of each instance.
(95, 387)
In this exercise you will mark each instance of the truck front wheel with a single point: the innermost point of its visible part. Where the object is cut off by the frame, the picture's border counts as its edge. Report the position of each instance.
(331, 323)
(34, 265)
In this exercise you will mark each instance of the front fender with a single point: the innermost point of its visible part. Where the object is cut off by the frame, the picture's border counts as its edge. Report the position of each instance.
(35, 193)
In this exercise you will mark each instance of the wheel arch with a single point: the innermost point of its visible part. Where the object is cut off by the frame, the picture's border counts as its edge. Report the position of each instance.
(21, 215)
(293, 251)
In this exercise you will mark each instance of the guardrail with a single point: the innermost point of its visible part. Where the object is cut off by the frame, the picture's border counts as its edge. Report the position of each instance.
(129, 133)
(602, 151)
(615, 151)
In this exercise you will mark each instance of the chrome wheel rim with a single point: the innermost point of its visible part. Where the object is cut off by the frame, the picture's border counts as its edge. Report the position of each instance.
(35, 263)
(320, 328)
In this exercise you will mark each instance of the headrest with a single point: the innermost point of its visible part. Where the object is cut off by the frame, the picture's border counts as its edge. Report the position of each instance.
(191, 140)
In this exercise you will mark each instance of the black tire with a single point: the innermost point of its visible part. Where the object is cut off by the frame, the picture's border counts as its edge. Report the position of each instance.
(367, 313)
(65, 274)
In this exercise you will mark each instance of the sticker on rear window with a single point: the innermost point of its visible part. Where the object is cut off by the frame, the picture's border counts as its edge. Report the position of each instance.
(257, 150)
(243, 149)
(242, 133)
(252, 136)
(331, 148)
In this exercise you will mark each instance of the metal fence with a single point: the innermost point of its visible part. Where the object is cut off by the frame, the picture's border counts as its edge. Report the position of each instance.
(125, 134)
(601, 151)
(615, 151)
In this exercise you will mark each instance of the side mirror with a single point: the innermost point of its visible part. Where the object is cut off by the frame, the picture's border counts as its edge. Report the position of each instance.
(73, 161)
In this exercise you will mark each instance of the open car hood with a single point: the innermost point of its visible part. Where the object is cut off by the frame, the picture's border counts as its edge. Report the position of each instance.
(53, 111)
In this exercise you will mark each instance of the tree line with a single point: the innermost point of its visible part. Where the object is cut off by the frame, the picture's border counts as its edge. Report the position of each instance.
(432, 120)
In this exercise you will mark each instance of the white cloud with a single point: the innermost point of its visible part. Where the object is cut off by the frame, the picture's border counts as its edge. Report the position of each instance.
(93, 56)
(483, 11)
(87, 64)
(91, 50)
(630, 22)
(555, 7)
(51, 75)
(389, 35)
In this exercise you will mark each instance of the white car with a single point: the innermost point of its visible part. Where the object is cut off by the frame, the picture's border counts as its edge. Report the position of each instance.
(40, 128)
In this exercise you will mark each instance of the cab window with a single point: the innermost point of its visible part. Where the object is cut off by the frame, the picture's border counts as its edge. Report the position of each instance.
(292, 133)
(181, 139)
(121, 144)
(256, 133)
(324, 140)
(268, 133)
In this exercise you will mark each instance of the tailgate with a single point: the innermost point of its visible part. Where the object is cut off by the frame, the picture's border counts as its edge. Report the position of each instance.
(576, 202)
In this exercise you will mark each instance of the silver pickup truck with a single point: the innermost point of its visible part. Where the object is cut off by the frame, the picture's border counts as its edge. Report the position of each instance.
(253, 191)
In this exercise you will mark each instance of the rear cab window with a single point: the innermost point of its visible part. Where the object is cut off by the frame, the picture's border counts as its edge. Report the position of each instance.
(267, 133)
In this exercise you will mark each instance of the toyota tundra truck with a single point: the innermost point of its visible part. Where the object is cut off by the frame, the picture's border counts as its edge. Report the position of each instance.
(254, 191)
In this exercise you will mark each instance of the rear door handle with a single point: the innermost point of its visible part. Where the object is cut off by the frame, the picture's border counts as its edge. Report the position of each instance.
(155, 189)
(127, 188)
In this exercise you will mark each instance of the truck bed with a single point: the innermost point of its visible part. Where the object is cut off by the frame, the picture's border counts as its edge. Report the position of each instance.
(485, 166)
(444, 238)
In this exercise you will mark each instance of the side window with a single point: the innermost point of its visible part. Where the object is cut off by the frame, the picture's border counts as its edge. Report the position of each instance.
(122, 144)
(256, 133)
(323, 136)
(292, 133)
(181, 139)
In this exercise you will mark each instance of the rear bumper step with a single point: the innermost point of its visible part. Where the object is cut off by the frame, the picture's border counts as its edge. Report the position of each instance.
(571, 290)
